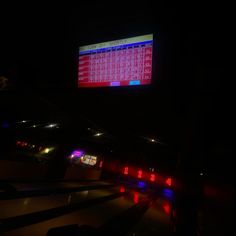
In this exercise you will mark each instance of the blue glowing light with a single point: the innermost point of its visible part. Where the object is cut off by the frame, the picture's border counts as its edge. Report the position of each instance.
(134, 82)
(168, 193)
(141, 184)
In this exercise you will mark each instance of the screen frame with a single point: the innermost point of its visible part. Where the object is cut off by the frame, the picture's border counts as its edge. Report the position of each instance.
(131, 87)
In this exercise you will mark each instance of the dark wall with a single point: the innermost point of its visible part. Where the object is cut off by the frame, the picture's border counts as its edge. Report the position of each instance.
(190, 83)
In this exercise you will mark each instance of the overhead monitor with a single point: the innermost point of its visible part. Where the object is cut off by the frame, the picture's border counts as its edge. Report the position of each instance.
(124, 62)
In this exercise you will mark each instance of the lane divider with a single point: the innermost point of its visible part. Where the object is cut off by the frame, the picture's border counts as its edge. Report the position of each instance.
(118, 225)
(16, 222)
(45, 192)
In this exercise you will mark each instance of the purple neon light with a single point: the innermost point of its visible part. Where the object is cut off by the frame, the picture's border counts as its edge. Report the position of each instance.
(77, 154)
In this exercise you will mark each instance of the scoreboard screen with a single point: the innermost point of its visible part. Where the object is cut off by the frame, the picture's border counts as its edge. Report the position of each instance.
(124, 62)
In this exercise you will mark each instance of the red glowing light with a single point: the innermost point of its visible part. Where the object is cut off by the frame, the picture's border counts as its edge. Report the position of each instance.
(140, 174)
(152, 177)
(136, 197)
(100, 164)
(169, 181)
(126, 170)
(166, 208)
(122, 189)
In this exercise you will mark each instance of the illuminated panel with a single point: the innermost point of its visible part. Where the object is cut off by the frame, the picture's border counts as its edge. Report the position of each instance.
(126, 170)
(152, 177)
(167, 208)
(124, 62)
(169, 181)
(89, 160)
(122, 189)
(140, 174)
(136, 197)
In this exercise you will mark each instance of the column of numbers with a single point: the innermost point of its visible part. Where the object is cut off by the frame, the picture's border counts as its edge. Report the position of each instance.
(147, 62)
